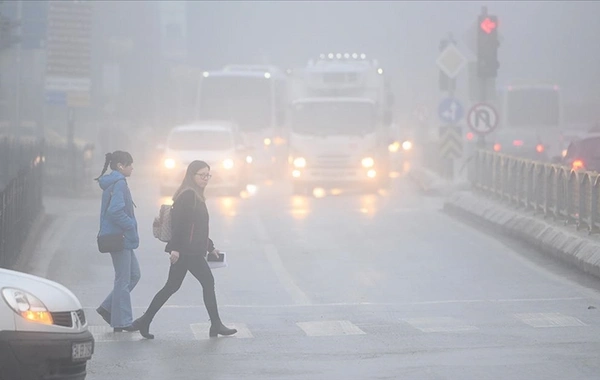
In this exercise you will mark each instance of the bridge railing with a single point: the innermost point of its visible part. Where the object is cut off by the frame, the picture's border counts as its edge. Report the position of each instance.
(551, 190)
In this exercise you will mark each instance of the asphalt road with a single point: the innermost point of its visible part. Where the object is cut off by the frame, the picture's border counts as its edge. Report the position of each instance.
(352, 286)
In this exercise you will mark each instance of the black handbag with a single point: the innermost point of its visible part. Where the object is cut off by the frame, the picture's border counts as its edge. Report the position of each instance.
(110, 242)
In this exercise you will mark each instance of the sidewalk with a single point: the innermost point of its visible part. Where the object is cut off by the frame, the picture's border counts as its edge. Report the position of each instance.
(547, 236)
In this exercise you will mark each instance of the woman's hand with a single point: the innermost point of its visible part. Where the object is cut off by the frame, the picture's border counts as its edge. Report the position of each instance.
(174, 257)
(215, 252)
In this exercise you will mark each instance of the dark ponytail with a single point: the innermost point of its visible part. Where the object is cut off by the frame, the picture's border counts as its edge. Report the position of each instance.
(115, 158)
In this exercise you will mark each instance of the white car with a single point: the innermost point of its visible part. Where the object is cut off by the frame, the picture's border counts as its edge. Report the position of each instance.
(43, 330)
(217, 143)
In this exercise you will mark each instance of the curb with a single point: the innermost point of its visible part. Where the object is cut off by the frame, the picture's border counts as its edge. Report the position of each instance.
(568, 245)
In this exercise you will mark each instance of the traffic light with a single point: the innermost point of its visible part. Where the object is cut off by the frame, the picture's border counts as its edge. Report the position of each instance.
(487, 46)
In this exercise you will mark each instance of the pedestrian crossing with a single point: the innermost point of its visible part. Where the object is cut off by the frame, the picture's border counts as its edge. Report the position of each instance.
(340, 328)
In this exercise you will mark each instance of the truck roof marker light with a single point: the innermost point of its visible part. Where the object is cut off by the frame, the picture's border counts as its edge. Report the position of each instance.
(267, 75)
(363, 56)
(355, 55)
(330, 56)
(380, 71)
(347, 55)
(338, 56)
(205, 74)
(321, 56)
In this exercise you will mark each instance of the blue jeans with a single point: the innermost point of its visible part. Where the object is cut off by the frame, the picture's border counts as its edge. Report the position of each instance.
(127, 275)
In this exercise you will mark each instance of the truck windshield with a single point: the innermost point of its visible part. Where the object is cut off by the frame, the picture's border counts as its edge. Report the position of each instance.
(244, 100)
(533, 107)
(336, 118)
(200, 140)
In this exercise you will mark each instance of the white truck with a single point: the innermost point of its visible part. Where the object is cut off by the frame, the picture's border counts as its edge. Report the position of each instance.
(339, 124)
(254, 97)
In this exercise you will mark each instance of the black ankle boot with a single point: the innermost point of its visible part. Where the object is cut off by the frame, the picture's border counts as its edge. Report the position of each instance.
(220, 329)
(143, 325)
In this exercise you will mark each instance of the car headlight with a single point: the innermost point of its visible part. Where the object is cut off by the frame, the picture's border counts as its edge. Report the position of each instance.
(368, 162)
(169, 163)
(249, 159)
(394, 147)
(300, 162)
(267, 141)
(27, 306)
(228, 163)
(407, 145)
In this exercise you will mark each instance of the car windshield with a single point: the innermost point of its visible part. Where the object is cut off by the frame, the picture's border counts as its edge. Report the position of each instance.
(200, 140)
(245, 101)
(342, 118)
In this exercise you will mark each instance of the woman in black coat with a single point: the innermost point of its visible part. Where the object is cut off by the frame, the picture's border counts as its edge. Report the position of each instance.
(188, 247)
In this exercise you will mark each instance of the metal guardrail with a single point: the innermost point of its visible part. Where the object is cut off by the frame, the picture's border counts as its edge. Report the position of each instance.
(20, 204)
(551, 190)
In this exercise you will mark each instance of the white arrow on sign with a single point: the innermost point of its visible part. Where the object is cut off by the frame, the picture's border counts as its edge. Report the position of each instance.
(482, 118)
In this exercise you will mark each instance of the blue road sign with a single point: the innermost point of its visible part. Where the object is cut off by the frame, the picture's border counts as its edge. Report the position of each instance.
(450, 110)
(56, 98)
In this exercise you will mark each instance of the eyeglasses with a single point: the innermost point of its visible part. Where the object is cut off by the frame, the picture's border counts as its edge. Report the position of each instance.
(204, 175)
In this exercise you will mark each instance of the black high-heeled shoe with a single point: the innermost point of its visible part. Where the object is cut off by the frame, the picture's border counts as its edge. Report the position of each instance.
(220, 329)
(142, 324)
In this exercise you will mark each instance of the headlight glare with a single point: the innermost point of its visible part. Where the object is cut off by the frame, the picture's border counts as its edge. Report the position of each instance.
(368, 162)
(228, 163)
(300, 162)
(27, 305)
(169, 163)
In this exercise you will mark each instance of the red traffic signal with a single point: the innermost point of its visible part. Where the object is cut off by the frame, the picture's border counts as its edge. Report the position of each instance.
(488, 25)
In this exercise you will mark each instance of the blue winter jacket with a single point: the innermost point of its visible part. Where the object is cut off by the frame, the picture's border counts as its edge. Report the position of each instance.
(119, 215)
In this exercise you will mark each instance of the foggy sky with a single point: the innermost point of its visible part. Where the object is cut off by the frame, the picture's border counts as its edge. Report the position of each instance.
(550, 41)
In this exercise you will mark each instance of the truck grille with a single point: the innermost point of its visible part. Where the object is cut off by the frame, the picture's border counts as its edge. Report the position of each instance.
(63, 318)
(333, 161)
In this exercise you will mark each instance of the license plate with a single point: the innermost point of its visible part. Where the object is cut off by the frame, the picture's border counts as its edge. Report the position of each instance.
(82, 351)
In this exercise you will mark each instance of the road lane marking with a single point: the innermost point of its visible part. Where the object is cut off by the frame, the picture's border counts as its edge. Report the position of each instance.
(330, 328)
(200, 330)
(543, 320)
(439, 324)
(298, 296)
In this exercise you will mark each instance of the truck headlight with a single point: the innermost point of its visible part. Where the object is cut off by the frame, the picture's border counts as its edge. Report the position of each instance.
(249, 159)
(169, 163)
(394, 147)
(228, 163)
(368, 162)
(407, 145)
(299, 162)
(27, 306)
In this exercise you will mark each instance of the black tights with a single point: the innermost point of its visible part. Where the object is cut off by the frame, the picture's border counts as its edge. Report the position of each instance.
(199, 268)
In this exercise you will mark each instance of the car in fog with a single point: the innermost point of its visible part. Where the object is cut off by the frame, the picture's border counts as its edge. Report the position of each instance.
(43, 330)
(216, 142)
(584, 154)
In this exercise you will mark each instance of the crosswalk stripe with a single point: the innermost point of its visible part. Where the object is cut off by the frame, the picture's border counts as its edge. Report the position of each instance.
(329, 328)
(106, 334)
(439, 324)
(200, 330)
(541, 320)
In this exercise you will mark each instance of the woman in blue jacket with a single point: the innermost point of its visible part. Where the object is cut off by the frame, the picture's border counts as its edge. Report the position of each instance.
(117, 216)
